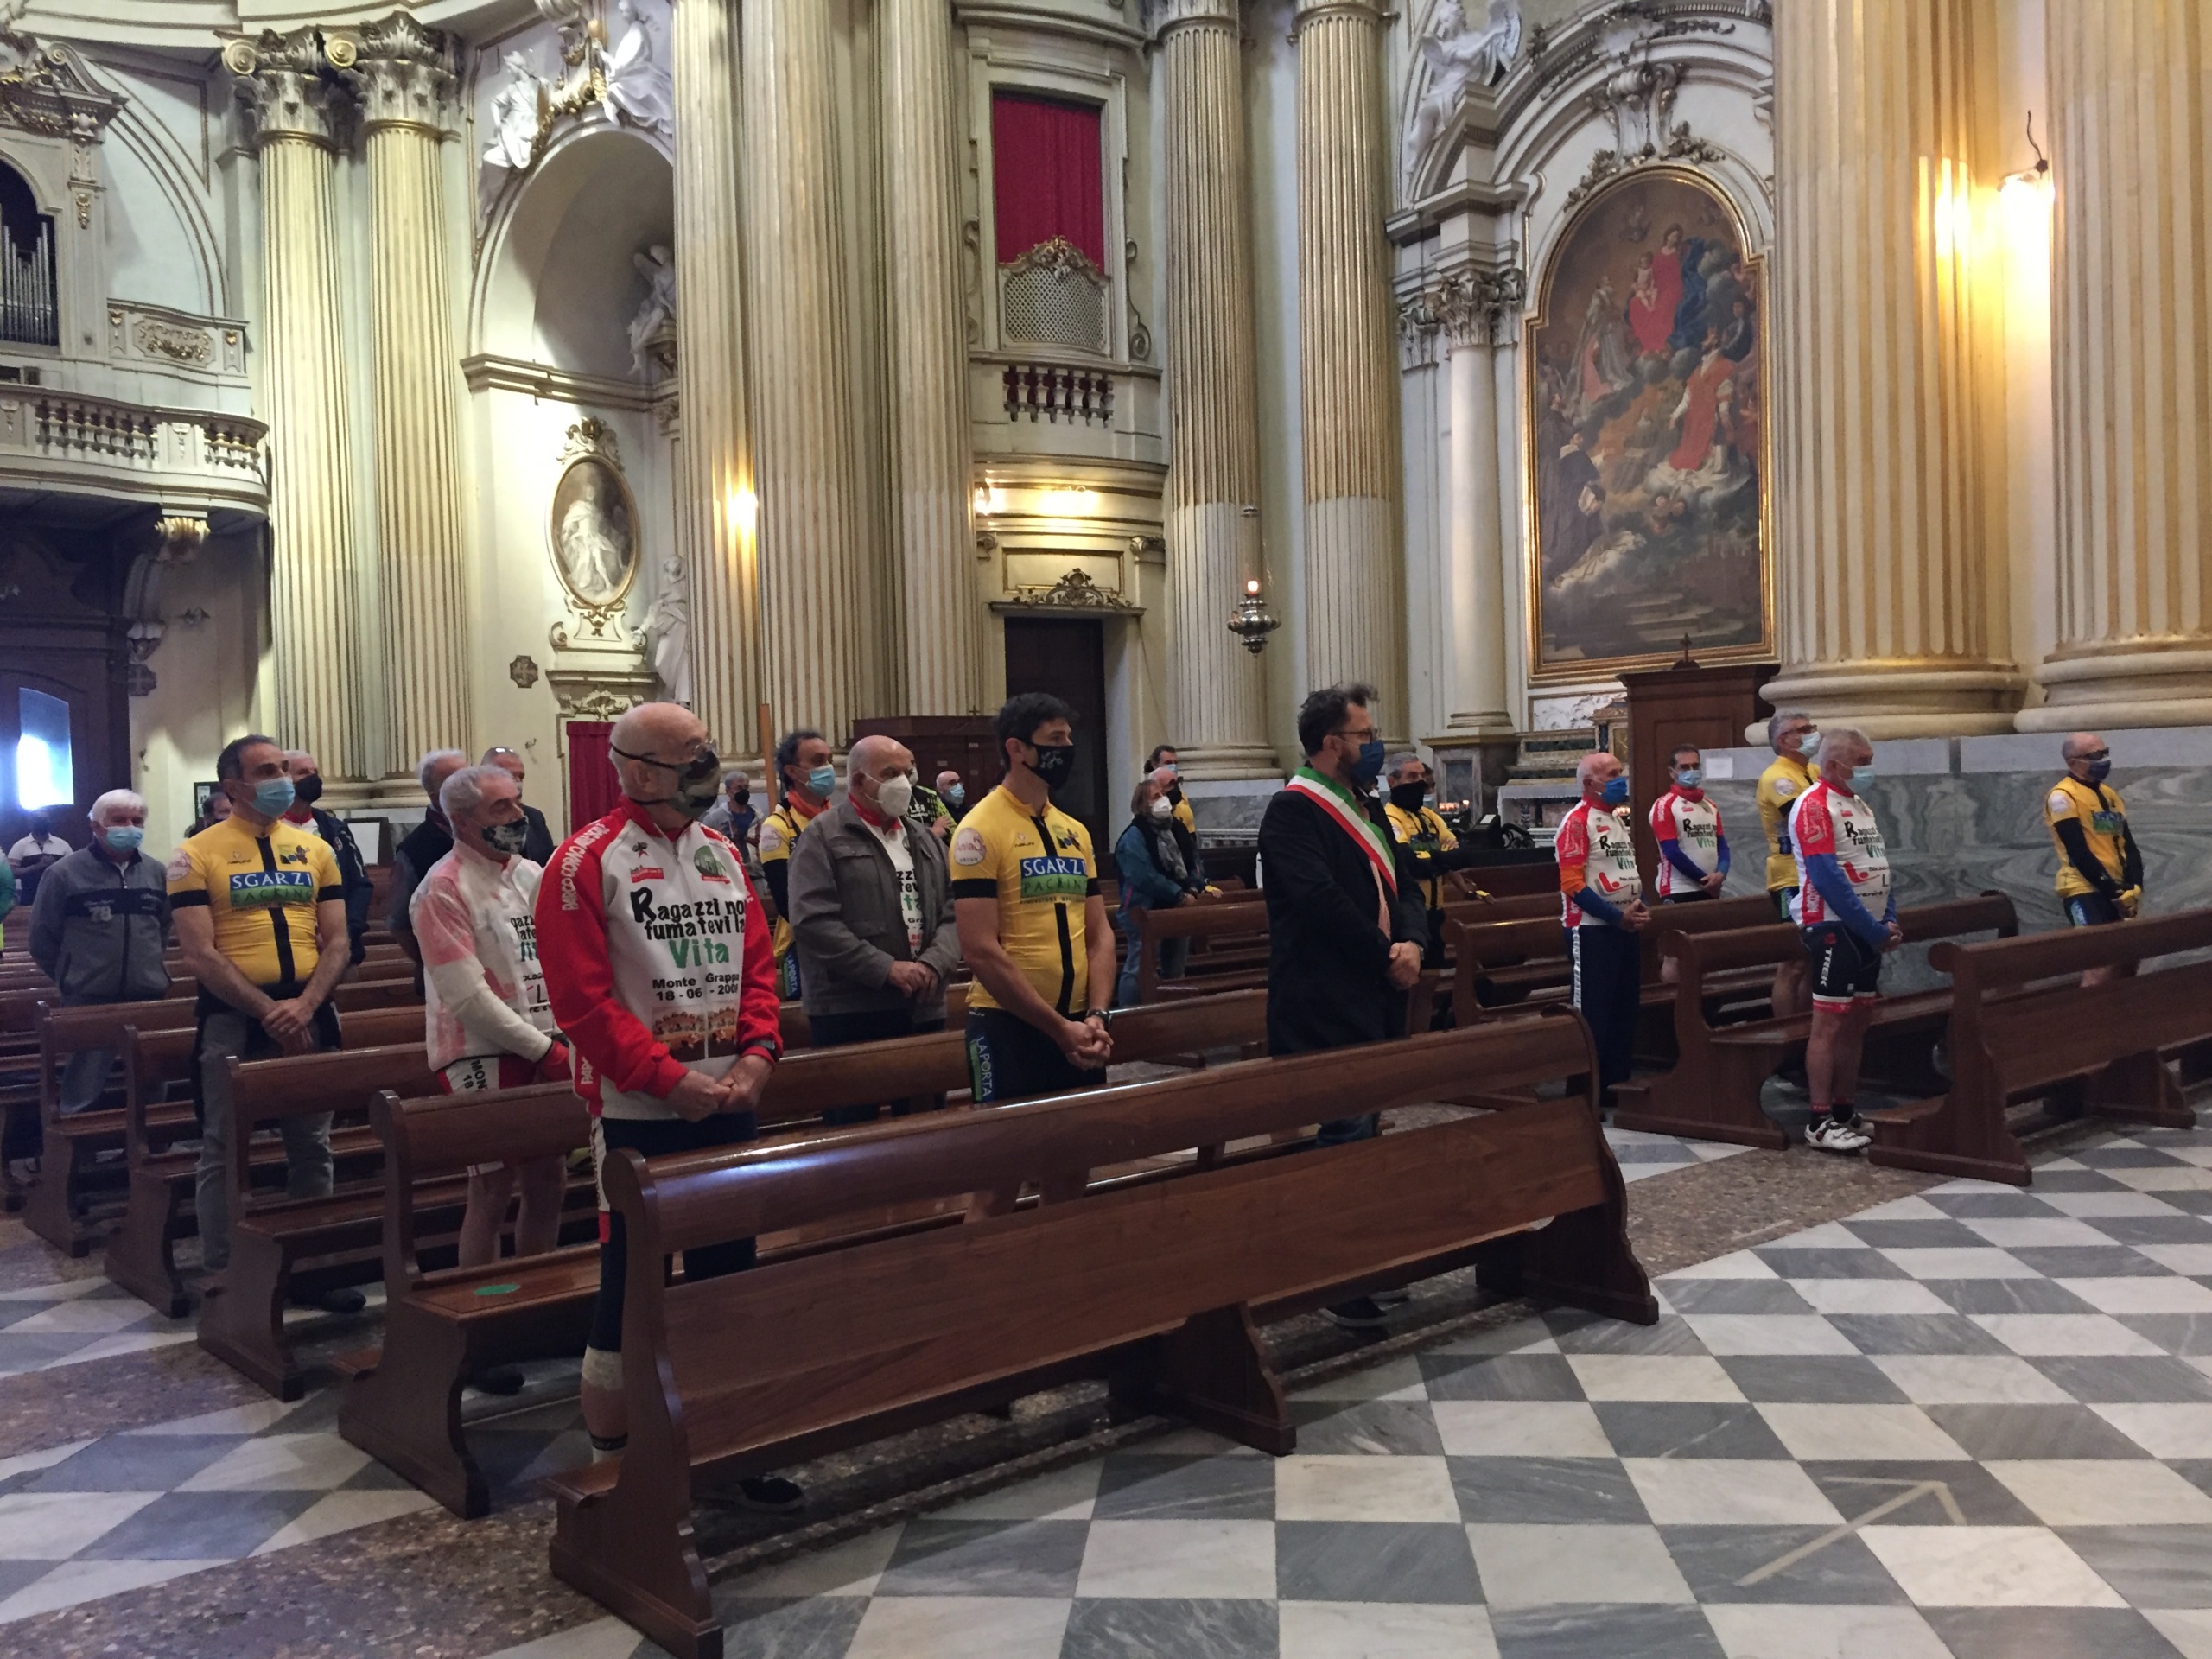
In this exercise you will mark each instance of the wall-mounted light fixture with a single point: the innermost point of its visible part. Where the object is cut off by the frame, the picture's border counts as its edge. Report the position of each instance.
(2036, 179)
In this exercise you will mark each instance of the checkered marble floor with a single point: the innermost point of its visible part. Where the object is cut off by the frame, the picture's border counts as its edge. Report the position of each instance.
(1640, 1156)
(1976, 1423)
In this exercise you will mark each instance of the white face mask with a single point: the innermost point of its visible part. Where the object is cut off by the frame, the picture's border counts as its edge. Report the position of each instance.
(894, 795)
(1161, 807)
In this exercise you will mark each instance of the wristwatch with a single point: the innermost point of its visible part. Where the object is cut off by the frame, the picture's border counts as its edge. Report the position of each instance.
(1104, 1016)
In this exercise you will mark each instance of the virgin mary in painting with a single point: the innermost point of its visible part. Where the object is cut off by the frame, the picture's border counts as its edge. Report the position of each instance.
(1647, 390)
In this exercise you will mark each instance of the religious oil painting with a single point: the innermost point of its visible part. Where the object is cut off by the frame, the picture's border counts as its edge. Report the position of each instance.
(1647, 458)
(594, 531)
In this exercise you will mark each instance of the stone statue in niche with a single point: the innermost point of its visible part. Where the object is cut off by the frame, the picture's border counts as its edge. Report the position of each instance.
(519, 113)
(1460, 54)
(639, 86)
(666, 632)
(656, 264)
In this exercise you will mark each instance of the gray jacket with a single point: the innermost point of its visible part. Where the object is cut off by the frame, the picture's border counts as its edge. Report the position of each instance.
(846, 918)
(97, 928)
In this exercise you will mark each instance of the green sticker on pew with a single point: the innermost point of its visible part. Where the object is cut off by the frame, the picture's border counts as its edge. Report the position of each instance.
(497, 1290)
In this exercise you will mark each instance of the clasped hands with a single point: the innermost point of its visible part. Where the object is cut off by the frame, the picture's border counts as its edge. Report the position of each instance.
(737, 1089)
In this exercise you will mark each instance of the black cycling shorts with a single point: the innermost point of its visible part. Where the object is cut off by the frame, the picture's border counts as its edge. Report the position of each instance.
(657, 1137)
(1845, 968)
(1008, 1059)
(2091, 910)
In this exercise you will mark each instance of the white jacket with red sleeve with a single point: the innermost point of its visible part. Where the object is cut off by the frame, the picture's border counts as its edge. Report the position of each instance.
(658, 960)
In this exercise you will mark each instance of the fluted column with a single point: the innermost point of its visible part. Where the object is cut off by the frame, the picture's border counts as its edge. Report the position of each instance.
(1886, 505)
(717, 509)
(293, 112)
(1347, 358)
(1213, 472)
(818, 617)
(2131, 96)
(406, 83)
(1472, 306)
(929, 360)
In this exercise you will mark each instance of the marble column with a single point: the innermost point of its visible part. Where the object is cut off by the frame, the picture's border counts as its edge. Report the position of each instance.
(2131, 96)
(1347, 358)
(929, 360)
(823, 661)
(1473, 306)
(295, 115)
(1215, 687)
(1887, 497)
(716, 508)
(406, 83)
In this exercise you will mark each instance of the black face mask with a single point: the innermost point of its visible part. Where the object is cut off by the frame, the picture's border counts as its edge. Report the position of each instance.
(506, 839)
(697, 782)
(1055, 763)
(1407, 797)
(308, 790)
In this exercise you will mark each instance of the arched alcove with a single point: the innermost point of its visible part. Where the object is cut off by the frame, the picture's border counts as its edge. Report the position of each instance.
(558, 285)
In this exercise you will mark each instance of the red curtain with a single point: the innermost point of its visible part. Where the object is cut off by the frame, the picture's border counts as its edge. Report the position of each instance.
(1045, 165)
(593, 792)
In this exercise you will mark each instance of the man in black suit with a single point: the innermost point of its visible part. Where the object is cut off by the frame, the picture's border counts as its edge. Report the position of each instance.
(1345, 926)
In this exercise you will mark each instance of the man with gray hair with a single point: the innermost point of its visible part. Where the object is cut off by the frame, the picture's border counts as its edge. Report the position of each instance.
(539, 847)
(1848, 917)
(430, 841)
(97, 928)
(872, 914)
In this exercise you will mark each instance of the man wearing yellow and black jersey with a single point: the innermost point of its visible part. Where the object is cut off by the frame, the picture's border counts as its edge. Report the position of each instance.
(259, 910)
(2100, 867)
(808, 779)
(1794, 742)
(1032, 925)
(1431, 848)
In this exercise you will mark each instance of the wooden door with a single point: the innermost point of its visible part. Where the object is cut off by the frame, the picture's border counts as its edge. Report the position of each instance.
(1066, 656)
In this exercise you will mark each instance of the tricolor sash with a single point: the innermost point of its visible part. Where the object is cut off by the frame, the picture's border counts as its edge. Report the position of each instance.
(1330, 798)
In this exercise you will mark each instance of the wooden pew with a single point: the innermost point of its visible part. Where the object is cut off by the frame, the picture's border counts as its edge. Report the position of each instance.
(1155, 1285)
(2023, 1027)
(78, 1194)
(1713, 1092)
(1504, 964)
(320, 1243)
(140, 1252)
(1235, 959)
(403, 1406)
(1516, 880)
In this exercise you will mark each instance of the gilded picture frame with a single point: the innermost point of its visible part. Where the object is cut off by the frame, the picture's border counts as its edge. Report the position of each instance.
(1647, 475)
(592, 531)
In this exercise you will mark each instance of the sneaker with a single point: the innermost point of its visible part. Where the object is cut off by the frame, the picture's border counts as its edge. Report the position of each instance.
(342, 1300)
(1360, 1313)
(769, 1495)
(1825, 1134)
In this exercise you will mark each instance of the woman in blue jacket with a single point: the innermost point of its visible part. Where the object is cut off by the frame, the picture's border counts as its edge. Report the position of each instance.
(1154, 871)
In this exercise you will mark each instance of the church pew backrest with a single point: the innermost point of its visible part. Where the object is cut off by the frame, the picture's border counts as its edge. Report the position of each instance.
(303, 1085)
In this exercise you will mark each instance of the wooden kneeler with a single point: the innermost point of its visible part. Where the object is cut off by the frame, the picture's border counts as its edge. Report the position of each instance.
(1155, 1284)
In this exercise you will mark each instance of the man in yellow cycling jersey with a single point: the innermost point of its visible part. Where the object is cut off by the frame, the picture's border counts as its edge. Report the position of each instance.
(808, 780)
(1430, 846)
(259, 910)
(1032, 923)
(1794, 742)
(2100, 867)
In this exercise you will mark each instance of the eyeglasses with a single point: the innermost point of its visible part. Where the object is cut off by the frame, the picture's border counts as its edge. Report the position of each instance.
(2094, 756)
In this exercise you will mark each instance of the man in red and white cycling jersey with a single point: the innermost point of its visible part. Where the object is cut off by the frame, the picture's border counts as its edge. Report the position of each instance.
(1601, 907)
(662, 977)
(486, 1017)
(1848, 918)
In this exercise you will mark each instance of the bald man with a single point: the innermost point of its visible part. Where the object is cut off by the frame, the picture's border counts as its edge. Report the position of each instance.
(662, 982)
(872, 909)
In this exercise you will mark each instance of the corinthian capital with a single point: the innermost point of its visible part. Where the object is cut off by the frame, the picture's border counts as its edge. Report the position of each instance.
(290, 84)
(1474, 305)
(405, 76)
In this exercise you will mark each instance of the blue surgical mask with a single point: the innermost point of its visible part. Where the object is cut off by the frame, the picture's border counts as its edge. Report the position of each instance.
(123, 837)
(272, 796)
(1369, 766)
(1861, 776)
(1691, 778)
(955, 793)
(1616, 792)
(822, 780)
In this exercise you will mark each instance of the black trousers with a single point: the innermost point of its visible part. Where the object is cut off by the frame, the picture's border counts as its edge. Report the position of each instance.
(656, 1138)
(873, 1026)
(1609, 991)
